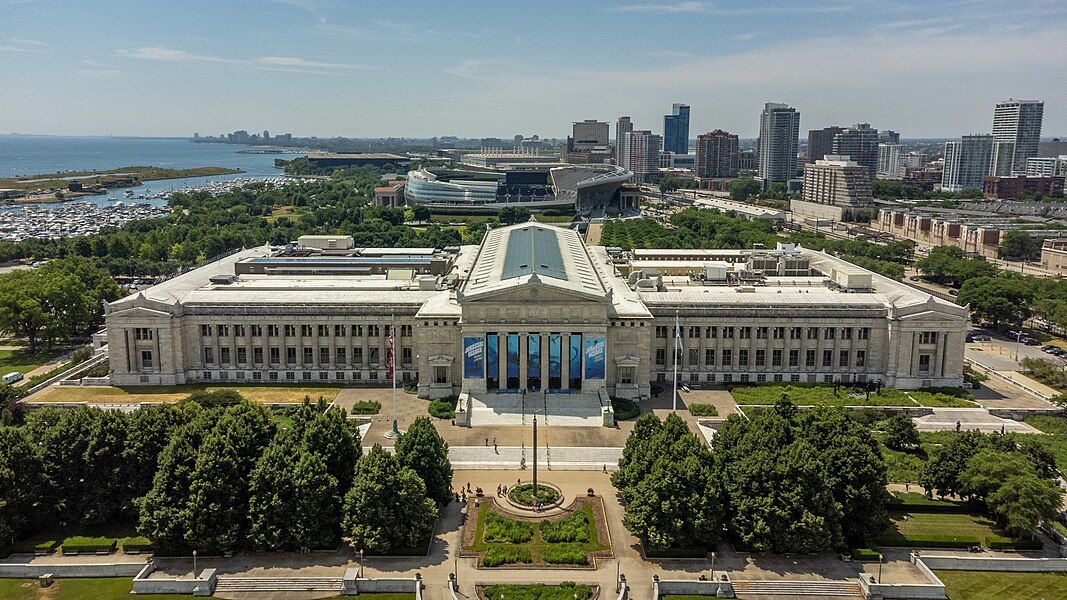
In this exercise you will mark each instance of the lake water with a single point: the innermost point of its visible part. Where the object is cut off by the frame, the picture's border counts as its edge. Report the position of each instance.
(30, 155)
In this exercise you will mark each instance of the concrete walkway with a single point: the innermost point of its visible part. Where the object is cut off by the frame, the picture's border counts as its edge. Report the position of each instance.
(945, 419)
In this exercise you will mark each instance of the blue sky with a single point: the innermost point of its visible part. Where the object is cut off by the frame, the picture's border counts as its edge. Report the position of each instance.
(367, 68)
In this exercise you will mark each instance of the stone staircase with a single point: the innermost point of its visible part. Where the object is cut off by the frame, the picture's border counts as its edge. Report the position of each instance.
(278, 584)
(792, 589)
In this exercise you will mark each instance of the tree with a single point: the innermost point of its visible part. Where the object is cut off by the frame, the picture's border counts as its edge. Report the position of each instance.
(149, 431)
(743, 188)
(293, 500)
(20, 483)
(422, 450)
(1018, 244)
(420, 212)
(987, 470)
(676, 504)
(668, 184)
(901, 433)
(940, 475)
(637, 456)
(215, 398)
(996, 299)
(1022, 501)
(387, 508)
(514, 214)
(336, 439)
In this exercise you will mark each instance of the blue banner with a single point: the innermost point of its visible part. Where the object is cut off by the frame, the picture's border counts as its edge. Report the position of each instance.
(595, 357)
(473, 358)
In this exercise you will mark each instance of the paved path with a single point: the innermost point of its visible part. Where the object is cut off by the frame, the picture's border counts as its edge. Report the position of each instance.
(945, 419)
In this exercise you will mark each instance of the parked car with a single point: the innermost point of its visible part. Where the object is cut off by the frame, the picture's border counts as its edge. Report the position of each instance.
(953, 292)
(12, 377)
(1050, 349)
(1029, 341)
(980, 337)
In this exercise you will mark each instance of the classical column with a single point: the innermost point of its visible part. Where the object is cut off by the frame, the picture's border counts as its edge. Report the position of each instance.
(564, 360)
(523, 361)
(544, 360)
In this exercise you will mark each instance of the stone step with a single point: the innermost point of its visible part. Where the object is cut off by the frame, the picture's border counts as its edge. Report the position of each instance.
(279, 584)
(798, 588)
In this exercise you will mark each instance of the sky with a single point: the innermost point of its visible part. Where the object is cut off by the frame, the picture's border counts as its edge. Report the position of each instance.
(363, 68)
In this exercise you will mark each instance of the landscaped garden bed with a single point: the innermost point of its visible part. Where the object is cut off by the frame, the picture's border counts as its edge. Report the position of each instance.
(501, 539)
(538, 591)
(822, 394)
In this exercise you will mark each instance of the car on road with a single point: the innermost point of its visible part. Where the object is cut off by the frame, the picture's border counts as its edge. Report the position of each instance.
(1029, 341)
(12, 377)
(1050, 349)
(975, 336)
(953, 292)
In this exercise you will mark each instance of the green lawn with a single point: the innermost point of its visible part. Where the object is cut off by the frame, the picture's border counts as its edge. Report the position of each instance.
(1056, 440)
(935, 529)
(901, 467)
(267, 393)
(110, 588)
(577, 537)
(820, 394)
(984, 585)
(22, 361)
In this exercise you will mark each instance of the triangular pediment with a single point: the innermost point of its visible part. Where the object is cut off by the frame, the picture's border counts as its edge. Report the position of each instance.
(535, 292)
(137, 312)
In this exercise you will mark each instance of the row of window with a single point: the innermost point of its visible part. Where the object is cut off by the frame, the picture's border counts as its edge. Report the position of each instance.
(406, 376)
(763, 333)
(305, 330)
(725, 358)
(340, 355)
(761, 377)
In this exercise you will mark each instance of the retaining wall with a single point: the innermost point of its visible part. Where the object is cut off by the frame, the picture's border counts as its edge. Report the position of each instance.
(67, 570)
(968, 563)
(204, 585)
(353, 584)
(694, 587)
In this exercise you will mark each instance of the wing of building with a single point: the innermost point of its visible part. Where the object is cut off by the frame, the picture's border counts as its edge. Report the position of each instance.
(532, 307)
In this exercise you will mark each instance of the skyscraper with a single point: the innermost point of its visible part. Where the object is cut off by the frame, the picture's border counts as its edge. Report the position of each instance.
(778, 131)
(821, 142)
(968, 161)
(888, 136)
(889, 161)
(1019, 122)
(590, 133)
(676, 129)
(717, 154)
(641, 155)
(622, 127)
(860, 143)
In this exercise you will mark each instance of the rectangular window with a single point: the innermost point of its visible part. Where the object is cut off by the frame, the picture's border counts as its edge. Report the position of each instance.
(290, 355)
(374, 330)
(290, 331)
(794, 333)
(861, 358)
(742, 357)
(146, 359)
(761, 333)
(746, 333)
(728, 378)
(305, 330)
(357, 331)
(256, 330)
(711, 332)
(440, 375)
(661, 331)
(813, 333)
(357, 356)
(576, 361)
(257, 376)
(239, 330)
(257, 356)
(209, 355)
(928, 337)
(242, 355)
(555, 361)
(694, 357)
(342, 356)
(205, 330)
(224, 355)
(809, 358)
(375, 355)
(846, 333)
(405, 330)
(779, 333)
(864, 333)
(828, 333)
(324, 374)
(827, 358)
(794, 358)
(776, 358)
(340, 331)
(405, 356)
(709, 357)
(843, 358)
(694, 332)
(727, 357)
(761, 358)
(272, 331)
(533, 361)
(143, 333)
(222, 330)
(324, 330)
(324, 355)
(727, 333)
(275, 356)
(273, 376)
(924, 363)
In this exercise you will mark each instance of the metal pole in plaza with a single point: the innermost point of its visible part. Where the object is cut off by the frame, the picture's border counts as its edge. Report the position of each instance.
(677, 342)
(535, 457)
(395, 432)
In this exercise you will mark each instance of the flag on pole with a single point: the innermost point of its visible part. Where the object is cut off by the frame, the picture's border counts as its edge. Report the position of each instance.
(392, 352)
(678, 345)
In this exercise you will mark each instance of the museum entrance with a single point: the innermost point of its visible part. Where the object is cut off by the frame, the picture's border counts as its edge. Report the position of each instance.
(535, 361)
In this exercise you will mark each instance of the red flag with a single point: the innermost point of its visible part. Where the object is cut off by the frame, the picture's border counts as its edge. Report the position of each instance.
(392, 357)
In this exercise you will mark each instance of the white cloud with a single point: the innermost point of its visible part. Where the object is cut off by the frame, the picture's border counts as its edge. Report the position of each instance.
(27, 42)
(705, 7)
(293, 64)
(678, 7)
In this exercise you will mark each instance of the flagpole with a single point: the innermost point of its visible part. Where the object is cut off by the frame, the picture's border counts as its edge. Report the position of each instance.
(395, 431)
(677, 339)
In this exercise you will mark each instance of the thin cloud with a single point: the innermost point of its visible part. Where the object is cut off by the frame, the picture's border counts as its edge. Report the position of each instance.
(379, 31)
(678, 7)
(275, 63)
(28, 42)
(705, 7)
(105, 74)
(744, 37)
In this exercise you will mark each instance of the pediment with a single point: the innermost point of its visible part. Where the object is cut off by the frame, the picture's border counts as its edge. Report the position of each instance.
(535, 293)
(139, 312)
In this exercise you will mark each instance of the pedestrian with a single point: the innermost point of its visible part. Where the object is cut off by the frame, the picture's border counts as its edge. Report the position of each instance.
(907, 487)
(494, 445)
(486, 442)
(498, 490)
(468, 487)
(605, 468)
(957, 426)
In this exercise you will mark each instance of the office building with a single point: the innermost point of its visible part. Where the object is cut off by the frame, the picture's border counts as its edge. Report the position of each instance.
(622, 127)
(717, 154)
(889, 161)
(968, 161)
(888, 136)
(676, 129)
(821, 142)
(1047, 167)
(533, 307)
(913, 160)
(779, 128)
(860, 144)
(1010, 188)
(1052, 149)
(835, 188)
(1019, 122)
(1054, 256)
(589, 134)
(642, 153)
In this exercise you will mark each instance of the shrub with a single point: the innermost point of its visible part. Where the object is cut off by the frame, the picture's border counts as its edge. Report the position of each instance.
(82, 545)
(136, 544)
(929, 540)
(565, 554)
(503, 529)
(574, 528)
(625, 409)
(411, 389)
(443, 408)
(998, 542)
(866, 554)
(567, 590)
(366, 407)
(703, 410)
(506, 554)
(919, 503)
(523, 494)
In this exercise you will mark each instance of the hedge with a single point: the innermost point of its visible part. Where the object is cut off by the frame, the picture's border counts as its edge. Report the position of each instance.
(565, 554)
(866, 554)
(919, 503)
(504, 554)
(366, 407)
(999, 542)
(574, 528)
(82, 545)
(136, 545)
(503, 529)
(443, 408)
(625, 409)
(703, 410)
(930, 541)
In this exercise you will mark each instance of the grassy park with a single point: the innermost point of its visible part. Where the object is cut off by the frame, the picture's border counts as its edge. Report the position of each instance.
(23, 361)
(174, 393)
(565, 540)
(821, 394)
(984, 585)
(92, 178)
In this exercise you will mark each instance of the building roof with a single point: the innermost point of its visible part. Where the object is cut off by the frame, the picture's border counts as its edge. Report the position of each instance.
(356, 155)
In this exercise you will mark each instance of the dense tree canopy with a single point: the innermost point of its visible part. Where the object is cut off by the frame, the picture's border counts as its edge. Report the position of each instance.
(21, 483)
(422, 450)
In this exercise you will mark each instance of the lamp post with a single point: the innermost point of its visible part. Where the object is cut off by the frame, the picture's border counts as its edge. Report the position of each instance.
(194, 564)
(880, 557)
(361, 562)
(535, 457)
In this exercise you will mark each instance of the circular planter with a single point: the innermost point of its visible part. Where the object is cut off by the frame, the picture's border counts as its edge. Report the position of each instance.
(550, 494)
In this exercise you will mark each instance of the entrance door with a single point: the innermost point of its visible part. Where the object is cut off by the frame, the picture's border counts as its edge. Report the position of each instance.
(555, 361)
(574, 374)
(533, 362)
(492, 361)
(513, 361)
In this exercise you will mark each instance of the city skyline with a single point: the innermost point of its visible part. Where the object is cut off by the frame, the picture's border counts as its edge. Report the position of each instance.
(325, 68)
